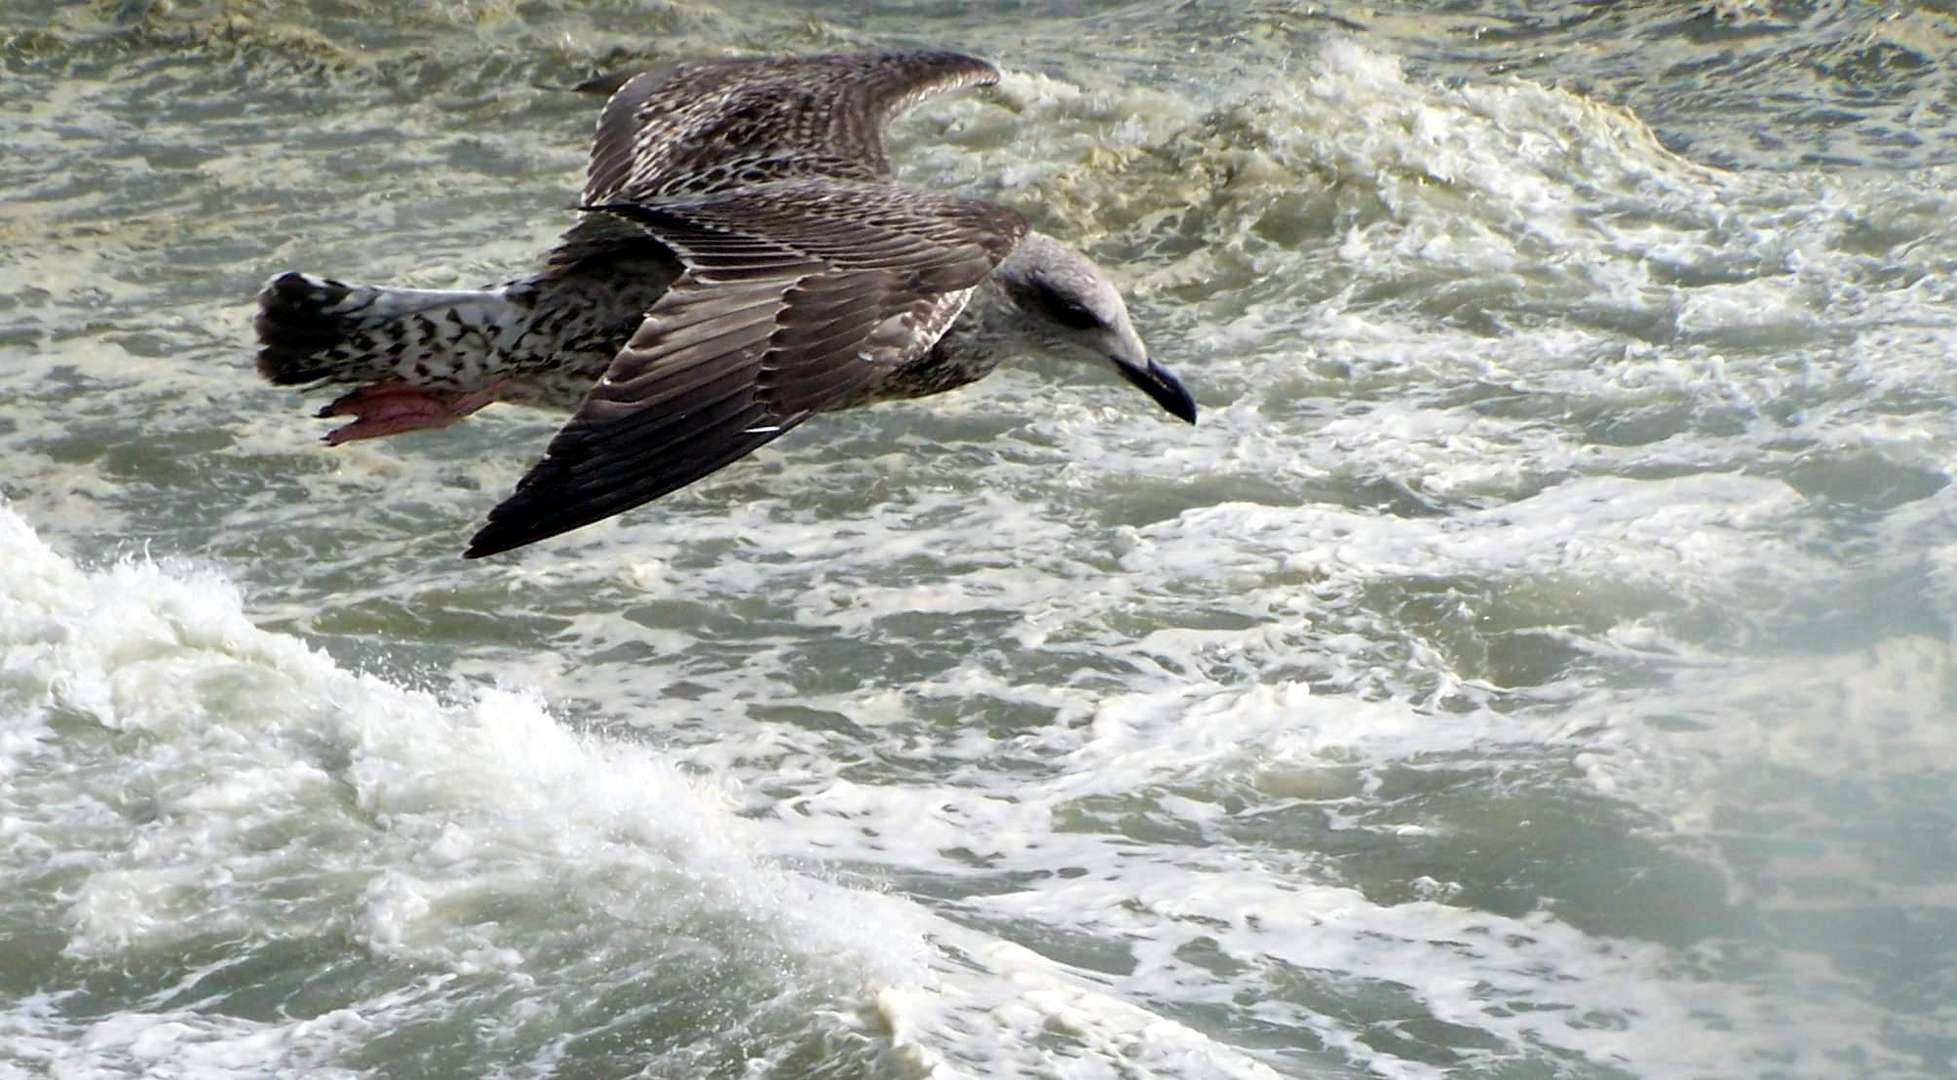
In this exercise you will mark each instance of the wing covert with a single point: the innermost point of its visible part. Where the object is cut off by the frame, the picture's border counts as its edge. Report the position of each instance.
(794, 297)
(704, 126)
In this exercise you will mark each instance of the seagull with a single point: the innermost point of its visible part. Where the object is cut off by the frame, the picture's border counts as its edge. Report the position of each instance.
(742, 261)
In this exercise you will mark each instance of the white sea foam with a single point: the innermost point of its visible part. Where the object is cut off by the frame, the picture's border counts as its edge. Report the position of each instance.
(204, 781)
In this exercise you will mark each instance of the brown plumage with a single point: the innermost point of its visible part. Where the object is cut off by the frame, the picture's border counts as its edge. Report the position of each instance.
(708, 125)
(745, 249)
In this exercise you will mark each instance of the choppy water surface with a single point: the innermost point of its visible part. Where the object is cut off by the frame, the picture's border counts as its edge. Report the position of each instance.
(1537, 663)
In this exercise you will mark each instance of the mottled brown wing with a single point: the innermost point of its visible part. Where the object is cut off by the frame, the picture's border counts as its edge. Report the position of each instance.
(794, 296)
(705, 126)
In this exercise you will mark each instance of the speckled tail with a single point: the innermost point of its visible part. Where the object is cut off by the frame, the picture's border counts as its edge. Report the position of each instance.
(313, 329)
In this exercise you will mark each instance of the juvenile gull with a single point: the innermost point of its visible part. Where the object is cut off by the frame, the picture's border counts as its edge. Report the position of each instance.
(743, 261)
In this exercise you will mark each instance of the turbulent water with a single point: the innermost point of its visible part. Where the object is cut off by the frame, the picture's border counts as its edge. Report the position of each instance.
(1537, 662)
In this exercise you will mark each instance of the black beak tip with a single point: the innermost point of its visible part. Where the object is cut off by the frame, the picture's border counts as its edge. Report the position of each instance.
(1161, 386)
(1185, 410)
(1169, 392)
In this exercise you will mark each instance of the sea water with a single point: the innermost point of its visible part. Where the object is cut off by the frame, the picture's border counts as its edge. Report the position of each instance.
(1537, 662)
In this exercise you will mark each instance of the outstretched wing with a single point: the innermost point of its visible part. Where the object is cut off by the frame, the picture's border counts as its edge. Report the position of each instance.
(795, 295)
(704, 126)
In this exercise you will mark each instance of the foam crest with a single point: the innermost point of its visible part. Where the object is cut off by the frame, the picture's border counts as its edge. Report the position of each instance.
(206, 781)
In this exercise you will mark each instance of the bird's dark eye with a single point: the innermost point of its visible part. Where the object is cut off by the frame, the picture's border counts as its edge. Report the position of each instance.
(1065, 310)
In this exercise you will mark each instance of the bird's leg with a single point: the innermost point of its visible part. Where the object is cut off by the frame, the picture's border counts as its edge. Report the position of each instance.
(392, 407)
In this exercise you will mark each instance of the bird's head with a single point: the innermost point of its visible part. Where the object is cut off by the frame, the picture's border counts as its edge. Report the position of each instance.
(1076, 308)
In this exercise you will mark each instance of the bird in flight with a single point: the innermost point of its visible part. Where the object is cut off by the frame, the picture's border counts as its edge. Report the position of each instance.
(742, 261)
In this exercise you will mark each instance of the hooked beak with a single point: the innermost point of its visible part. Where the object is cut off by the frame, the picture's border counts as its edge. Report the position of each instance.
(1155, 381)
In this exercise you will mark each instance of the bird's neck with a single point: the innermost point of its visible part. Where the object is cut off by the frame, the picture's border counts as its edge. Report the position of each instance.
(990, 329)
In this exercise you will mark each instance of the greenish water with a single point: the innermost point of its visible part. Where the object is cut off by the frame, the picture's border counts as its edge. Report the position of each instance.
(1537, 662)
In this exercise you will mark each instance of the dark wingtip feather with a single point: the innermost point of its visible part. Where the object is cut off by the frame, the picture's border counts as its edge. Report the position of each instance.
(508, 531)
(486, 543)
(523, 518)
(538, 509)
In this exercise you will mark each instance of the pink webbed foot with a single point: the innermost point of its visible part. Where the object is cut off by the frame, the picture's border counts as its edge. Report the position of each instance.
(390, 408)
